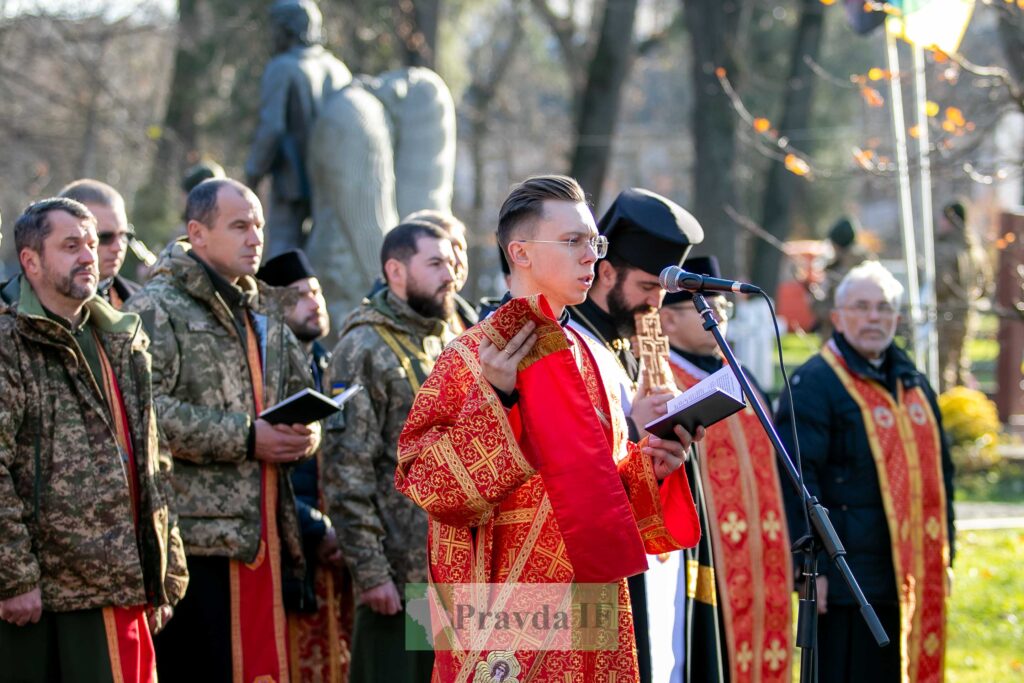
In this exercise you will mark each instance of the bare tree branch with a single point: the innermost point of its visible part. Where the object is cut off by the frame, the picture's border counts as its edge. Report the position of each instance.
(564, 31)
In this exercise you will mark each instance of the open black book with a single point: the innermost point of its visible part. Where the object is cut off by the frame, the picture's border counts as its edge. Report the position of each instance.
(714, 398)
(307, 406)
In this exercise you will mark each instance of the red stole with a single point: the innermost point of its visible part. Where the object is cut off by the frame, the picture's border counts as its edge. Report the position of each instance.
(258, 627)
(129, 642)
(579, 473)
(318, 643)
(753, 569)
(907, 449)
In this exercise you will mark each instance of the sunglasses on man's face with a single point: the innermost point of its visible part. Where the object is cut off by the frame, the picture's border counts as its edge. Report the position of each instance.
(108, 238)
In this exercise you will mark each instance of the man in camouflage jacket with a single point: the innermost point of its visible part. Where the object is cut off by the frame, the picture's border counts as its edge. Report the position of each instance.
(82, 533)
(388, 345)
(203, 309)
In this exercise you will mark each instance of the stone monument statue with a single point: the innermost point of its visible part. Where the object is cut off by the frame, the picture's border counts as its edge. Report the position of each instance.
(381, 149)
(295, 84)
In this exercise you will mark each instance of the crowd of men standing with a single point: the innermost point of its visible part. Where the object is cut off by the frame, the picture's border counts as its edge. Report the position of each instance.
(152, 521)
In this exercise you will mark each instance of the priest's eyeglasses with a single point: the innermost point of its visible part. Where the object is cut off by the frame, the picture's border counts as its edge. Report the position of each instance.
(883, 309)
(599, 243)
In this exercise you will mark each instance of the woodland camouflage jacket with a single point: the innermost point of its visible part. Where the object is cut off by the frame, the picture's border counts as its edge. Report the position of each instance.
(65, 505)
(383, 534)
(203, 395)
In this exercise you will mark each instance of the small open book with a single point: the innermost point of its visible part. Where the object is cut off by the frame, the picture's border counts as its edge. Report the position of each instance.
(714, 398)
(307, 406)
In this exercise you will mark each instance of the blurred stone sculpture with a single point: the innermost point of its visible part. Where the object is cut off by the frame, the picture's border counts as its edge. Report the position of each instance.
(295, 84)
(382, 148)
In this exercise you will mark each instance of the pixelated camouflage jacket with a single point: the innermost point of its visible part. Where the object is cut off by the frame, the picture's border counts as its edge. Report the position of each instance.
(382, 534)
(65, 504)
(204, 400)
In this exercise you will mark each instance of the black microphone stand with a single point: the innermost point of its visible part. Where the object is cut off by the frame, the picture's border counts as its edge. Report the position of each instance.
(822, 535)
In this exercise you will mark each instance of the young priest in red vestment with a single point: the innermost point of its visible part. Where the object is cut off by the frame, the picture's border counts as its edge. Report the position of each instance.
(520, 455)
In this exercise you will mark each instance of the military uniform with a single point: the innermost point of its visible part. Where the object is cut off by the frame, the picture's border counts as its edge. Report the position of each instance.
(389, 349)
(75, 520)
(203, 391)
(960, 280)
(117, 290)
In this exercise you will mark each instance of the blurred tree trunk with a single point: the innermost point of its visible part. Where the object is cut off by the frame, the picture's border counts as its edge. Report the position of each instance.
(601, 96)
(782, 186)
(479, 101)
(157, 204)
(1011, 34)
(416, 24)
(597, 73)
(713, 28)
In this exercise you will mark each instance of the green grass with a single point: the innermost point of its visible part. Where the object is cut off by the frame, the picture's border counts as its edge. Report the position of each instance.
(985, 635)
(986, 616)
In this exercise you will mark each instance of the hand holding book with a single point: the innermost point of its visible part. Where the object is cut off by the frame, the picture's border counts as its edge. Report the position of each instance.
(714, 398)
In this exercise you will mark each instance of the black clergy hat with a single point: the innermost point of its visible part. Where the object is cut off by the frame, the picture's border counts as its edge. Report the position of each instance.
(701, 265)
(286, 268)
(649, 231)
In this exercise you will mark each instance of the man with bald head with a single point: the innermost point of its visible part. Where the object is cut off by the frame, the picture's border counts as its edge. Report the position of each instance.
(222, 353)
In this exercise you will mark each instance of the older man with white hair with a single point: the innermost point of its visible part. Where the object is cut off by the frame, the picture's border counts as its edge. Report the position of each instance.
(874, 453)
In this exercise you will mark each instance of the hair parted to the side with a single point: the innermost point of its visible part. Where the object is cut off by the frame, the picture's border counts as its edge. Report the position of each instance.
(441, 219)
(871, 271)
(526, 202)
(90, 191)
(201, 205)
(33, 225)
(400, 242)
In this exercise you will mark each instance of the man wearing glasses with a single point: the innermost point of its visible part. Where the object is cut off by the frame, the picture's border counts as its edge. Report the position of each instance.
(740, 571)
(518, 450)
(112, 233)
(875, 455)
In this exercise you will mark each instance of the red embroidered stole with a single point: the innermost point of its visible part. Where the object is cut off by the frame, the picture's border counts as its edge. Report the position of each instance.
(907, 449)
(753, 569)
(258, 645)
(318, 642)
(564, 438)
(129, 643)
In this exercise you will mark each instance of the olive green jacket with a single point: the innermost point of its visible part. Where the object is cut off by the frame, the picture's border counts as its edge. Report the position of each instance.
(382, 533)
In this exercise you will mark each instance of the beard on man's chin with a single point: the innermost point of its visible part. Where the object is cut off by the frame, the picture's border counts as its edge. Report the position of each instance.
(621, 314)
(69, 287)
(439, 304)
(308, 333)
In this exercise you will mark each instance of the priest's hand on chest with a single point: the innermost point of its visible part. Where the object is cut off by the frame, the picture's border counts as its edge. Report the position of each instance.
(667, 455)
(499, 366)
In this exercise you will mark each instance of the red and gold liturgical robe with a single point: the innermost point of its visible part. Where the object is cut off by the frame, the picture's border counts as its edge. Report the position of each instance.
(753, 572)
(907, 449)
(549, 492)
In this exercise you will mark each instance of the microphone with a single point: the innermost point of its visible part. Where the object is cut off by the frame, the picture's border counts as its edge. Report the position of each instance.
(675, 279)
